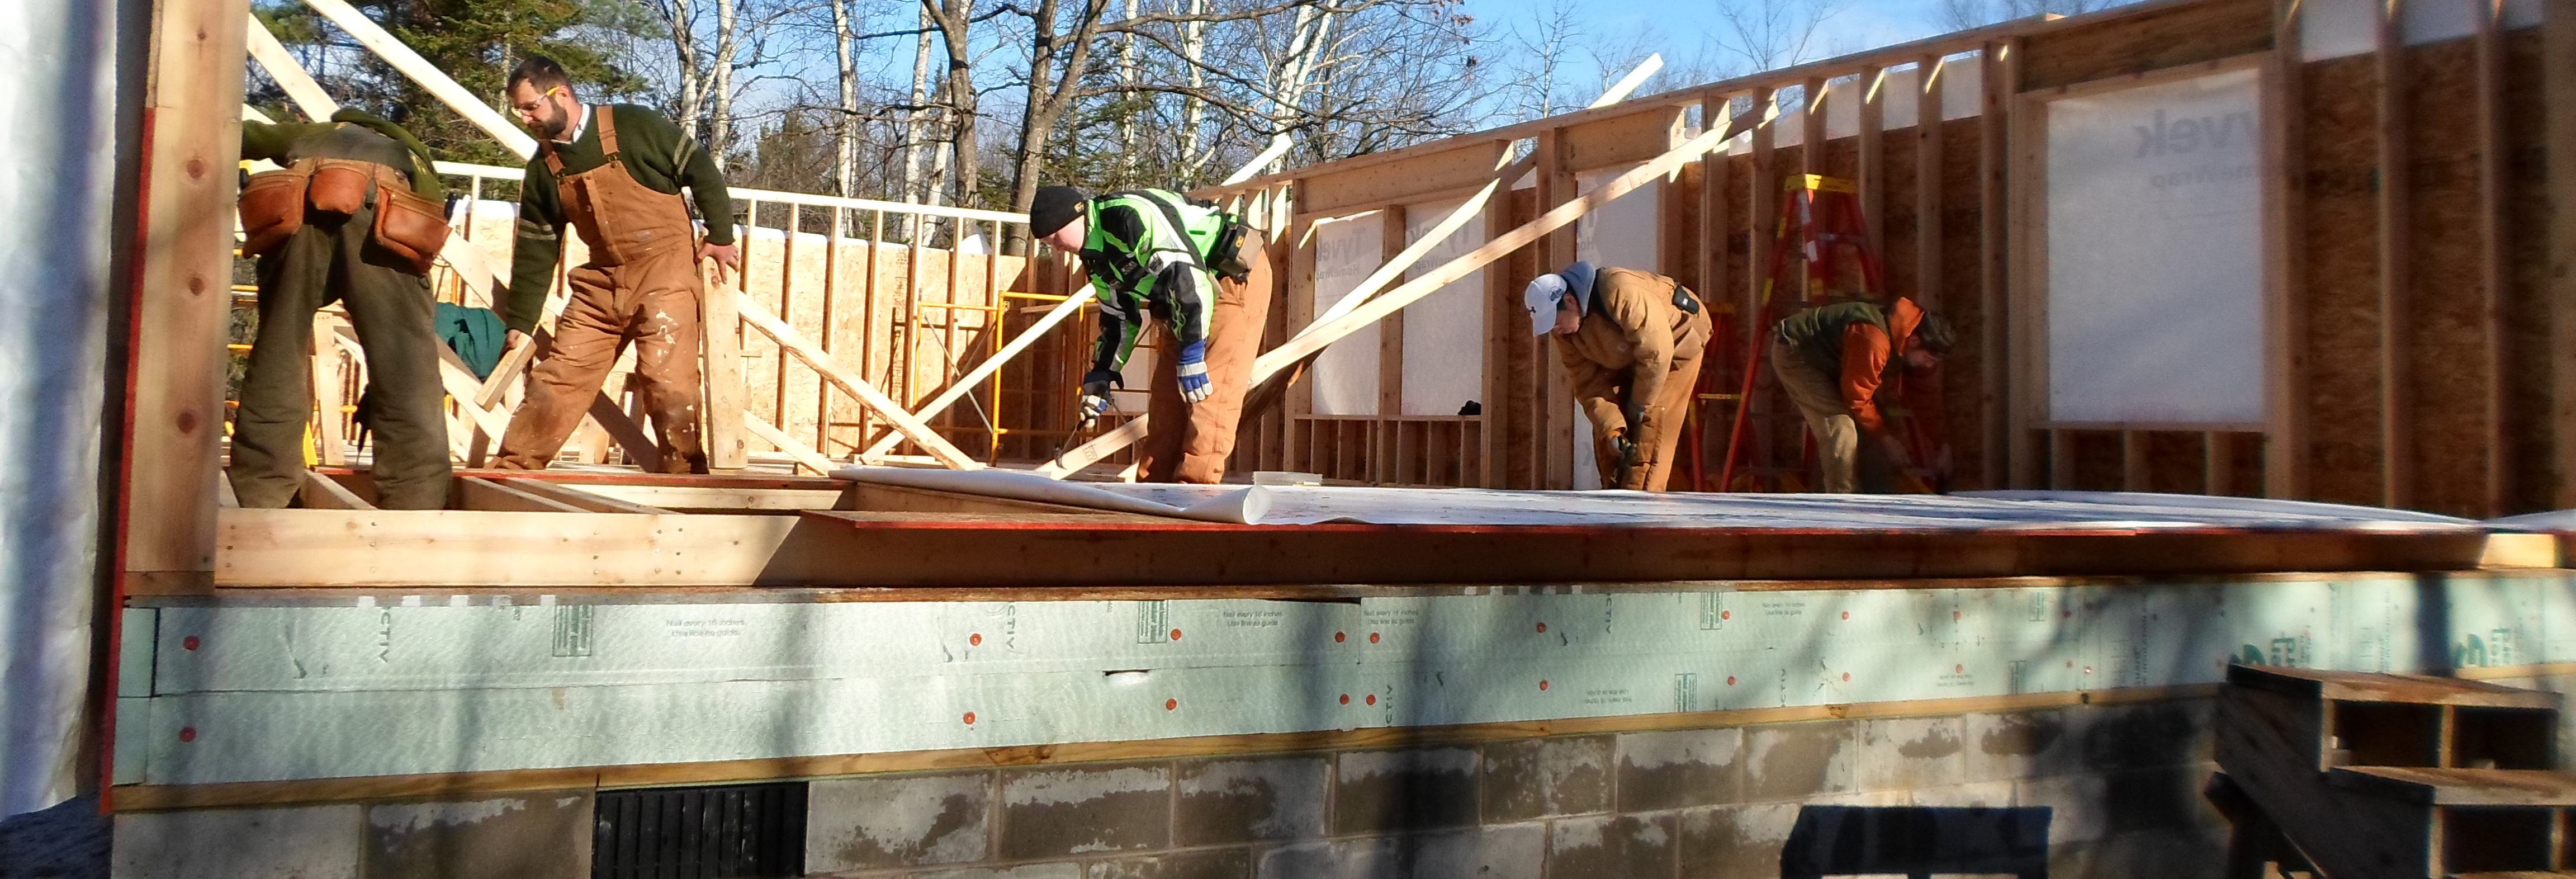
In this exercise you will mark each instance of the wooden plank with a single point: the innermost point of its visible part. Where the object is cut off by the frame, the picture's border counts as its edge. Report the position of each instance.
(1463, 164)
(718, 498)
(2396, 447)
(144, 798)
(2007, 446)
(789, 341)
(1504, 331)
(1390, 332)
(2285, 362)
(2460, 787)
(1057, 314)
(1554, 425)
(1927, 191)
(721, 330)
(2494, 255)
(579, 499)
(1633, 138)
(805, 455)
(2558, 282)
(626, 431)
(2352, 686)
(1873, 155)
(300, 89)
(402, 548)
(184, 191)
(319, 492)
(478, 493)
(327, 397)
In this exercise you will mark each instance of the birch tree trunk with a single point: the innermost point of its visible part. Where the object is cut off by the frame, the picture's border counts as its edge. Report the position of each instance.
(1193, 110)
(953, 17)
(845, 162)
(720, 116)
(684, 49)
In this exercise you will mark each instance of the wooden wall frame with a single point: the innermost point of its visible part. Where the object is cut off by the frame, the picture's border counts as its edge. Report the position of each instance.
(2027, 279)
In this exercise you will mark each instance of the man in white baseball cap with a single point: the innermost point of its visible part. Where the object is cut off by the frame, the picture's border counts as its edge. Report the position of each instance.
(1631, 343)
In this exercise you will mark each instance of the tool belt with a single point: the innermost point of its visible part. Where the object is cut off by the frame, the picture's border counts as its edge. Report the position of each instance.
(275, 205)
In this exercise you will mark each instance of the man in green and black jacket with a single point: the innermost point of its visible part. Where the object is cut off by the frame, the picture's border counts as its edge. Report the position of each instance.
(1206, 277)
(337, 257)
(613, 173)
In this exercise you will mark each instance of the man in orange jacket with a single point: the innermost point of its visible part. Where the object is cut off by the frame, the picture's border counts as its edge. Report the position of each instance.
(1832, 359)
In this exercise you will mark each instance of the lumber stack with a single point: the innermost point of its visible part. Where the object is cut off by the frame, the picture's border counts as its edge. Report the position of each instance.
(2382, 775)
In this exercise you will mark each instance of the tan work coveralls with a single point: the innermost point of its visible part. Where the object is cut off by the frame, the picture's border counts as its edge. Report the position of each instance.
(641, 286)
(1635, 344)
(1190, 443)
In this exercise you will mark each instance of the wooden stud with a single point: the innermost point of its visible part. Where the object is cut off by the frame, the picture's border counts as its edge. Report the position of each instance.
(2133, 461)
(1873, 155)
(328, 385)
(2061, 459)
(1553, 442)
(1390, 332)
(2558, 282)
(1503, 330)
(319, 492)
(1298, 404)
(579, 499)
(184, 191)
(722, 339)
(2395, 209)
(1927, 190)
(870, 308)
(2494, 254)
(2213, 463)
(2007, 445)
(2285, 451)
(1812, 132)
(478, 493)
(1761, 237)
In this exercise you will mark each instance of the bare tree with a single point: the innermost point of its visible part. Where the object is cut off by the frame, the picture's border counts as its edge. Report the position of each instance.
(1959, 15)
(1772, 34)
(953, 19)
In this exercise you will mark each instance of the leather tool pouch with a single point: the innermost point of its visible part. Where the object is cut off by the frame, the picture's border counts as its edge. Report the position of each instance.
(338, 189)
(410, 226)
(272, 209)
(1225, 255)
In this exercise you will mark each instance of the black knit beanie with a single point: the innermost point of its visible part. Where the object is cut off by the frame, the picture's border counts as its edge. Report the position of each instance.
(1054, 207)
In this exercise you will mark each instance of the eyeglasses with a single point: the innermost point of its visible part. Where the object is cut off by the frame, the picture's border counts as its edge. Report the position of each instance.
(531, 106)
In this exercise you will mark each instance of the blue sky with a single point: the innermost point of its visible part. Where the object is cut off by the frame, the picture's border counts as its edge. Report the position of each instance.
(1685, 30)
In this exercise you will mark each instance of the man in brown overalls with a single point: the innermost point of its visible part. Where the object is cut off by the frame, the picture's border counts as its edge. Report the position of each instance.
(1631, 343)
(614, 173)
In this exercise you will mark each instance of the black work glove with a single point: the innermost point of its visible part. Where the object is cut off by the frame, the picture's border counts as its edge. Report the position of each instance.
(1095, 394)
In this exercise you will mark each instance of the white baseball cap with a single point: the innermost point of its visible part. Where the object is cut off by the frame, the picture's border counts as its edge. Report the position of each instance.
(1541, 297)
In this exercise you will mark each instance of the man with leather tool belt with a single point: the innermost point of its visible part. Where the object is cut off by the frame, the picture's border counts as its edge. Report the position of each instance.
(356, 217)
(1631, 343)
(1206, 276)
(614, 173)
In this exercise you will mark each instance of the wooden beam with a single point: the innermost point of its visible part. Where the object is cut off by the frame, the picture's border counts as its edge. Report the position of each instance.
(319, 492)
(2285, 451)
(1552, 427)
(789, 341)
(2396, 446)
(692, 498)
(1324, 333)
(795, 448)
(625, 431)
(184, 235)
(2008, 449)
(403, 548)
(1390, 337)
(1928, 127)
(1873, 158)
(1763, 201)
(580, 499)
(2494, 254)
(2558, 282)
(721, 330)
(478, 493)
(300, 89)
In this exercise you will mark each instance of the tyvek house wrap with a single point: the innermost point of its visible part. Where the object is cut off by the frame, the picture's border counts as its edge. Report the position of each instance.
(57, 170)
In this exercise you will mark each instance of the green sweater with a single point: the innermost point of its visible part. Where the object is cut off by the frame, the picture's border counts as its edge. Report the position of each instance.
(656, 153)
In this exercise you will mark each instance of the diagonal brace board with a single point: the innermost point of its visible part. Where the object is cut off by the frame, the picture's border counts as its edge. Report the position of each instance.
(758, 316)
(438, 84)
(1323, 333)
(965, 384)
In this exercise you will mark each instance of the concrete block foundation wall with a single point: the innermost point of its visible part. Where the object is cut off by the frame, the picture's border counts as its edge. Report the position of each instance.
(2123, 782)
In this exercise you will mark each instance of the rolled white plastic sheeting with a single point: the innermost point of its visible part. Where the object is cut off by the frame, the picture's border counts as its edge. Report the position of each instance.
(1241, 507)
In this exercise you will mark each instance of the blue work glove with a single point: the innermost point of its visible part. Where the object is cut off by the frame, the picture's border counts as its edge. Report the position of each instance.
(1192, 370)
(1095, 395)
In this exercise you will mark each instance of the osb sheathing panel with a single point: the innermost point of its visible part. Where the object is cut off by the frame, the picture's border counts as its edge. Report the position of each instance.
(2139, 43)
(2341, 296)
(2451, 349)
(2526, 309)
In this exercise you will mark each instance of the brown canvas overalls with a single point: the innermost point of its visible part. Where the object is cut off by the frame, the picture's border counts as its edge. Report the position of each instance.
(641, 285)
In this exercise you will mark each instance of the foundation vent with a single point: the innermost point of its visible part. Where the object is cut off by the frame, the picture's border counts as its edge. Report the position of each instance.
(736, 830)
